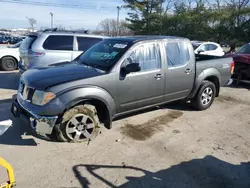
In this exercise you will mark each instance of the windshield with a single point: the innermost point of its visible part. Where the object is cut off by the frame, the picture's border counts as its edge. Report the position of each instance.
(104, 55)
(244, 49)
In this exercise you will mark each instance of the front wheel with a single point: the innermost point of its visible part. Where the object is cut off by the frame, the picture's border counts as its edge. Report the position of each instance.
(205, 96)
(79, 124)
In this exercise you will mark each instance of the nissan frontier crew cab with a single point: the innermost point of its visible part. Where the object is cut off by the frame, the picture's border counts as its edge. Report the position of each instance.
(115, 77)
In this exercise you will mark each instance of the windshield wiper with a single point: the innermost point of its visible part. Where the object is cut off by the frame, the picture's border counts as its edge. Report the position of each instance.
(91, 65)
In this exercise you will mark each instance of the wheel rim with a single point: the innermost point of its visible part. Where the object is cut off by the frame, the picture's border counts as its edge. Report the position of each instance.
(206, 96)
(80, 127)
(10, 64)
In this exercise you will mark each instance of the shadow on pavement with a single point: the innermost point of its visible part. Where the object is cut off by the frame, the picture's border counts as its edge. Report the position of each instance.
(13, 136)
(9, 80)
(208, 172)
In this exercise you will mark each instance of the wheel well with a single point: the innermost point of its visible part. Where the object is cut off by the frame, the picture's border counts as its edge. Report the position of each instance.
(102, 111)
(216, 82)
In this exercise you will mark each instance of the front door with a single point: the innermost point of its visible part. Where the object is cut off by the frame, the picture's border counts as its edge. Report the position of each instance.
(180, 72)
(146, 87)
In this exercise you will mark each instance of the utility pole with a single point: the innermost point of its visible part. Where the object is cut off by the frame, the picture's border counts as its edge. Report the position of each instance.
(51, 15)
(118, 19)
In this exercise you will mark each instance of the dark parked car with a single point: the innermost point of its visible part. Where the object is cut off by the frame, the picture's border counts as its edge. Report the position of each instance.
(115, 77)
(242, 63)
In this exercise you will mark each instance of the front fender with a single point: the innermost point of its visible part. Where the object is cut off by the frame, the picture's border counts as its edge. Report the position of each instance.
(210, 72)
(73, 97)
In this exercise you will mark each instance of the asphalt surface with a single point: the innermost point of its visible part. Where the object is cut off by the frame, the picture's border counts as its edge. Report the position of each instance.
(170, 146)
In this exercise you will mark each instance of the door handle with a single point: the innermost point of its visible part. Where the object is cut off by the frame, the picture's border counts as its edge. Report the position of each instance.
(158, 76)
(188, 70)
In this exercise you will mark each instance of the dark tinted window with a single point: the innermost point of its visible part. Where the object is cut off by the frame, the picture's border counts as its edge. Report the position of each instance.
(85, 43)
(28, 41)
(177, 54)
(245, 49)
(54, 42)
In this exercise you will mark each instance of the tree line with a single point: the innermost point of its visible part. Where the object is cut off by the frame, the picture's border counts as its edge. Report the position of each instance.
(222, 21)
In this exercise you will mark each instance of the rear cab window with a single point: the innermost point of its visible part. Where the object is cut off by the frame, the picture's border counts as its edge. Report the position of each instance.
(28, 41)
(59, 42)
(177, 54)
(84, 43)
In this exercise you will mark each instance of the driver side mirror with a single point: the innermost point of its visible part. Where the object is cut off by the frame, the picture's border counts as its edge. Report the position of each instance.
(132, 67)
(199, 51)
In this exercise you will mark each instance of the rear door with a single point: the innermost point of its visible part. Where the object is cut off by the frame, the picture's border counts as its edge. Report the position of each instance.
(180, 72)
(58, 48)
(84, 43)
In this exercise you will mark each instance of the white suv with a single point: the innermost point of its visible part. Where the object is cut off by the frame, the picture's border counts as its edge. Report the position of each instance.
(50, 47)
(207, 48)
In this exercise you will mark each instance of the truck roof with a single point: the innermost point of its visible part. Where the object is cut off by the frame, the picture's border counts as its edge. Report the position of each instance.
(135, 39)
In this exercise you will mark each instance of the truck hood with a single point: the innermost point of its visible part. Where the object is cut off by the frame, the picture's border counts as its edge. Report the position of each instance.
(42, 78)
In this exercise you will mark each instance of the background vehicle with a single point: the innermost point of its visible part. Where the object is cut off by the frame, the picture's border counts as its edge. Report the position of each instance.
(49, 47)
(115, 77)
(9, 57)
(242, 63)
(207, 48)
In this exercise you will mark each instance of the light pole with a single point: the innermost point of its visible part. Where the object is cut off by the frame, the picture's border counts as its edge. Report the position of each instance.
(118, 19)
(51, 15)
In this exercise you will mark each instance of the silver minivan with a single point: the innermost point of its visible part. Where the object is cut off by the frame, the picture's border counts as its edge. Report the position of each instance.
(50, 47)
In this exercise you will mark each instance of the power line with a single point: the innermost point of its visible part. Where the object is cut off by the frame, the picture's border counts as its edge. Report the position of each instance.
(59, 5)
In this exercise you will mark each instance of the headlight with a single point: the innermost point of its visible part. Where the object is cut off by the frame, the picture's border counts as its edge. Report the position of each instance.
(41, 98)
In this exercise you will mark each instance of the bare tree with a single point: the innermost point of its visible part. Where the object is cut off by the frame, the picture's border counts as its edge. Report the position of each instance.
(32, 22)
(60, 27)
(109, 27)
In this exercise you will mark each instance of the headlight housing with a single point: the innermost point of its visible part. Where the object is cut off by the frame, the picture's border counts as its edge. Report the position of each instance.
(40, 98)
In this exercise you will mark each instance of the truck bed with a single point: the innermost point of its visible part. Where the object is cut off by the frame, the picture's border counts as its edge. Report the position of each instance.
(222, 65)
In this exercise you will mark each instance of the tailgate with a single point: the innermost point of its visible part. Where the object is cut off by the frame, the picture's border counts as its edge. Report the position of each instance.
(25, 50)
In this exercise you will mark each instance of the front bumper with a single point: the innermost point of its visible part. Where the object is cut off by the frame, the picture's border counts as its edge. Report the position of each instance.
(42, 125)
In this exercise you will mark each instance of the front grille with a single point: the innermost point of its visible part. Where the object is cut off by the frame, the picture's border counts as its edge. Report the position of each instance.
(26, 92)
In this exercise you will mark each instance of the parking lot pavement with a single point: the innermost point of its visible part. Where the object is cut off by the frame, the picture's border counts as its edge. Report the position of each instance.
(170, 146)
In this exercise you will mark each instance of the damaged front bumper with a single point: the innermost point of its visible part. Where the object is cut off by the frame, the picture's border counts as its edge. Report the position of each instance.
(42, 125)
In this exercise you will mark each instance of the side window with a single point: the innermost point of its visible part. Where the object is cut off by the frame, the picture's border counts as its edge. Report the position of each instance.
(177, 54)
(59, 42)
(212, 47)
(148, 56)
(84, 43)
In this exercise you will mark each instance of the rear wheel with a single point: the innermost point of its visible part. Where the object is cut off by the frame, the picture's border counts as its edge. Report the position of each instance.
(79, 124)
(8, 64)
(205, 96)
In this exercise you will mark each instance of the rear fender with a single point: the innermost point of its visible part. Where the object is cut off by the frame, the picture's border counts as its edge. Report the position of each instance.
(207, 73)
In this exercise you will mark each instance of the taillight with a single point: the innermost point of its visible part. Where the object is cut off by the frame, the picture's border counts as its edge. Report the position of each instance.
(36, 54)
(232, 67)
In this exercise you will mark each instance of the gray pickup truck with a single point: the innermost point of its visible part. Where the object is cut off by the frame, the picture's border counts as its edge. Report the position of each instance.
(115, 77)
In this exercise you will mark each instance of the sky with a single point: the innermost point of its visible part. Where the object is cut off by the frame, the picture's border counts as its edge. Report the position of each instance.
(88, 14)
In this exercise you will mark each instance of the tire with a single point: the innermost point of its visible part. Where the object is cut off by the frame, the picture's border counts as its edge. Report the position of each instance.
(79, 124)
(8, 64)
(205, 96)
